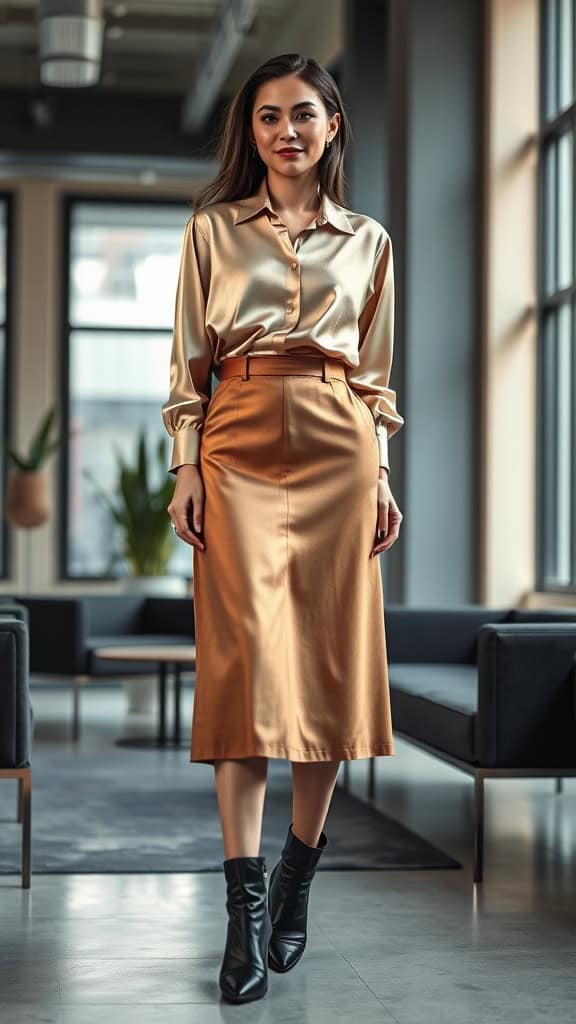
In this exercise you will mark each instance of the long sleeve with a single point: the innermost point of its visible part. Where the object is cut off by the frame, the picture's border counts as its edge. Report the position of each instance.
(192, 357)
(370, 379)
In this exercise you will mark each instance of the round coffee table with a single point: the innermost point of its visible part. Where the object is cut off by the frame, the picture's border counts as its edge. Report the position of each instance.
(165, 656)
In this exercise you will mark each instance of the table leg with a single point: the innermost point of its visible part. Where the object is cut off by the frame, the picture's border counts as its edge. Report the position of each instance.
(159, 740)
(162, 672)
(177, 689)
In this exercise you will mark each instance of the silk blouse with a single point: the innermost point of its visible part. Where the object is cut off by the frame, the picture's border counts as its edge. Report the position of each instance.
(243, 287)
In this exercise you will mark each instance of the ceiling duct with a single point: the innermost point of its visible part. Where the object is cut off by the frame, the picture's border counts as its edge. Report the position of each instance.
(236, 20)
(70, 42)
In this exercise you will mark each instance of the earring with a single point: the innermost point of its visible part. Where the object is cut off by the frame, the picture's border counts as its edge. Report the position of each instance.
(328, 143)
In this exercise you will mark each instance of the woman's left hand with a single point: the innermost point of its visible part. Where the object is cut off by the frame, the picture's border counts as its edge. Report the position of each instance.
(389, 516)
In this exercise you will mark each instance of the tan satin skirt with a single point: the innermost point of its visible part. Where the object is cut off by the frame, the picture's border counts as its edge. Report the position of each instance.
(291, 657)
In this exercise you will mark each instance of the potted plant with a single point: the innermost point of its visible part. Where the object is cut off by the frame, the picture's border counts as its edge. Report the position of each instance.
(139, 510)
(28, 501)
(147, 539)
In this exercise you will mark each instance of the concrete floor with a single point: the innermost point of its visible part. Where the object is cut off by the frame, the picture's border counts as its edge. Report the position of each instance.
(404, 946)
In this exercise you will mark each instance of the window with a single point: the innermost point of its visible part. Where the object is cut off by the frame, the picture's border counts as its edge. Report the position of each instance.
(121, 270)
(5, 249)
(557, 288)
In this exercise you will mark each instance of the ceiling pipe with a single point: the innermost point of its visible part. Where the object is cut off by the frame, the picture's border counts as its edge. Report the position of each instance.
(236, 21)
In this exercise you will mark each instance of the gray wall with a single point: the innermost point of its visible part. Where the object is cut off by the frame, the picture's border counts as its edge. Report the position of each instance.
(412, 85)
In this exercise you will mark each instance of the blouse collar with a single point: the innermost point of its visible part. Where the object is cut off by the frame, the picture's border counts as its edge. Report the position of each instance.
(329, 211)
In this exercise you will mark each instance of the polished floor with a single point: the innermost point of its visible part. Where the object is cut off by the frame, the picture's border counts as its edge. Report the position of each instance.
(412, 947)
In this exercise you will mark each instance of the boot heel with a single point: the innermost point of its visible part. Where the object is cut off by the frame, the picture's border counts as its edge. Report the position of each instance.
(243, 973)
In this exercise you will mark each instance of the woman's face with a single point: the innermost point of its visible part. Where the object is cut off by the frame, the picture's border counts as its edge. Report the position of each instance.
(288, 112)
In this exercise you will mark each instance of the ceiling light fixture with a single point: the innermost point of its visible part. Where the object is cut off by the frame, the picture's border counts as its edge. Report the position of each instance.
(70, 39)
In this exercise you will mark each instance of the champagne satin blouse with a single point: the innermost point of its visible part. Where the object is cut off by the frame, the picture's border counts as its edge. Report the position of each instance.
(244, 288)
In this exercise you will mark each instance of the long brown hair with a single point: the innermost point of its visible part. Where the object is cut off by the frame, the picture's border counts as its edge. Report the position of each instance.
(241, 172)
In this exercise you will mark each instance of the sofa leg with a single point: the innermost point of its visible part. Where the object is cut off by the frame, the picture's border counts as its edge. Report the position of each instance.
(19, 802)
(478, 826)
(559, 785)
(26, 791)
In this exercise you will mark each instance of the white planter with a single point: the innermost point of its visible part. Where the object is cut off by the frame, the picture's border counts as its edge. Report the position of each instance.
(142, 692)
(170, 586)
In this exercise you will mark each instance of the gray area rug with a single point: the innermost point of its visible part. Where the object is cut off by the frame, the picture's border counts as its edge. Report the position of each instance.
(127, 811)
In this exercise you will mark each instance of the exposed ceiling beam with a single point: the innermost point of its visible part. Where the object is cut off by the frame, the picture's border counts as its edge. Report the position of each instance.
(195, 24)
(236, 22)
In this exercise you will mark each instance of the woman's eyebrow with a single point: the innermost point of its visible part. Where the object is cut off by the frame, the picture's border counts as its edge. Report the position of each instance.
(269, 106)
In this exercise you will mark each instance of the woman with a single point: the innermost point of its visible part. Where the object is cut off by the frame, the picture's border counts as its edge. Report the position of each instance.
(282, 488)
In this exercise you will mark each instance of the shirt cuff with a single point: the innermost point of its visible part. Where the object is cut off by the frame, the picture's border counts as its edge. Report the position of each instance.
(382, 435)
(185, 448)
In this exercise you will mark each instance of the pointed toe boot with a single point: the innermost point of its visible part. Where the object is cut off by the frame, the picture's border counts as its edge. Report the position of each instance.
(243, 973)
(288, 895)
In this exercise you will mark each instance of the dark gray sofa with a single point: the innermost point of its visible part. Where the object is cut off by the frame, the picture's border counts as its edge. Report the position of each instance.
(491, 691)
(17, 718)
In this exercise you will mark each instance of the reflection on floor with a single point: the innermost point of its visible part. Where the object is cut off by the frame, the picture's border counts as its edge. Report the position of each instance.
(406, 946)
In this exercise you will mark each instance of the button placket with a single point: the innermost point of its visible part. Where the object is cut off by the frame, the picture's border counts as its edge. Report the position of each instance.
(292, 305)
(293, 302)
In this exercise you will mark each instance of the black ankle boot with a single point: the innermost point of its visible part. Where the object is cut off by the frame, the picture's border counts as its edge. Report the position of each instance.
(243, 974)
(288, 894)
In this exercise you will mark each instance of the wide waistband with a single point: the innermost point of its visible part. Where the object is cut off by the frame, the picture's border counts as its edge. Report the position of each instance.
(247, 366)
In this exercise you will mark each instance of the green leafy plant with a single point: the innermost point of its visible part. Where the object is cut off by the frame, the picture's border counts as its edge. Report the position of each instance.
(41, 446)
(140, 512)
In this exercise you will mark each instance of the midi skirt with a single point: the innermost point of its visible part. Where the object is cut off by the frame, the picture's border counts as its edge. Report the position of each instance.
(291, 657)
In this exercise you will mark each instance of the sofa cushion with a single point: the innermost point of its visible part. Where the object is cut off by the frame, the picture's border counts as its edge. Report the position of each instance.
(171, 616)
(542, 615)
(438, 635)
(437, 704)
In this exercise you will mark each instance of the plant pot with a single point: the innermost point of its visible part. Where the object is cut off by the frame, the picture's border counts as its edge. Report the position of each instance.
(28, 502)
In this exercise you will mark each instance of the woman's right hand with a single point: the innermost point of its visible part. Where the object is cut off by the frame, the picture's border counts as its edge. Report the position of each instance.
(186, 509)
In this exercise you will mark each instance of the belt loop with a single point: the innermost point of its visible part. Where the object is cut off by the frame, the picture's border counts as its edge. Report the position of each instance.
(324, 369)
(246, 374)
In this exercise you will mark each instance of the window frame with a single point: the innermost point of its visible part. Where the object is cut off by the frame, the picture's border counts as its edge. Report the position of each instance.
(550, 130)
(8, 199)
(69, 200)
